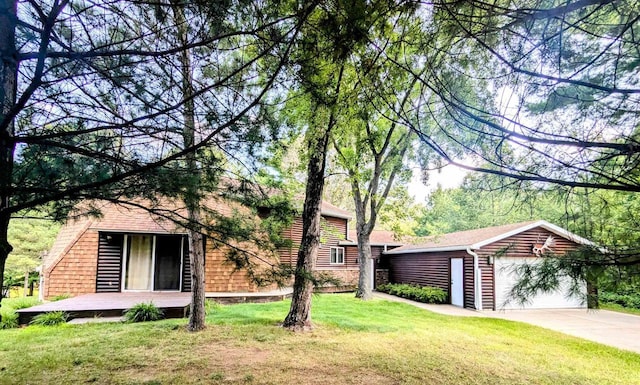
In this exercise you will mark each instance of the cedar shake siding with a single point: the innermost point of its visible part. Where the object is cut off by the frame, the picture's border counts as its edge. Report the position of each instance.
(75, 272)
(88, 255)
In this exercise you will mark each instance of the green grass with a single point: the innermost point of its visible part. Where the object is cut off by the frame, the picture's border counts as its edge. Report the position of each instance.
(375, 342)
(8, 315)
(619, 308)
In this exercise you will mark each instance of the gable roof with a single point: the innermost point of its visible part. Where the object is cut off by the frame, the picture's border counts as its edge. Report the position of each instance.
(475, 239)
(135, 218)
(329, 210)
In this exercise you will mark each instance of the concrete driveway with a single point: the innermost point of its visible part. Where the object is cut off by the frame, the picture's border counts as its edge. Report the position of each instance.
(606, 327)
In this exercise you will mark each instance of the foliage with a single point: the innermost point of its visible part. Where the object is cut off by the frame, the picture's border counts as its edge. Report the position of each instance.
(143, 312)
(30, 238)
(20, 303)
(8, 318)
(60, 297)
(50, 319)
(403, 344)
(426, 294)
(629, 299)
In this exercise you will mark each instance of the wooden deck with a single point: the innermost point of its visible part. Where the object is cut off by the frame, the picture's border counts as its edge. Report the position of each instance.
(174, 305)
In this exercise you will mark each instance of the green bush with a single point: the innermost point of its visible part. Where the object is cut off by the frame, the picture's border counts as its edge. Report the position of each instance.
(50, 319)
(143, 312)
(60, 297)
(626, 299)
(20, 303)
(426, 294)
(9, 318)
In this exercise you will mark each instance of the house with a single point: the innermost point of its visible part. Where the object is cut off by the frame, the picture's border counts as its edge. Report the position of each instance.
(130, 249)
(381, 241)
(476, 267)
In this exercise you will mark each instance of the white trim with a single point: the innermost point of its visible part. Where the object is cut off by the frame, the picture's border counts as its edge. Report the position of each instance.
(334, 214)
(477, 281)
(428, 250)
(153, 263)
(343, 255)
(125, 252)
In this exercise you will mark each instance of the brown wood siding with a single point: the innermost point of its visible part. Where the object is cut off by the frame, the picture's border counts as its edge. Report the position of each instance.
(426, 269)
(469, 295)
(519, 245)
(334, 230)
(109, 268)
(487, 283)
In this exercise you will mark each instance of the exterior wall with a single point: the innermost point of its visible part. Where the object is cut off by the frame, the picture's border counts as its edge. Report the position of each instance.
(221, 277)
(75, 272)
(519, 245)
(432, 269)
(427, 269)
(347, 278)
(334, 230)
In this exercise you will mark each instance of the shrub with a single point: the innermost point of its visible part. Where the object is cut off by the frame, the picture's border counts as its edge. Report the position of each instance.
(60, 297)
(626, 299)
(50, 319)
(143, 312)
(20, 303)
(9, 319)
(426, 294)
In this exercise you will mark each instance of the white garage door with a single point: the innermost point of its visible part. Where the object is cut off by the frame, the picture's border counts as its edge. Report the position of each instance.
(506, 278)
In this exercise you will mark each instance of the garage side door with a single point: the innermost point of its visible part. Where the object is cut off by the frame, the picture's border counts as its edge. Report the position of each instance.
(505, 278)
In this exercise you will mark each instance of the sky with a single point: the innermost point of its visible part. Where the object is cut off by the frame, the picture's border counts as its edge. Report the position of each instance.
(447, 177)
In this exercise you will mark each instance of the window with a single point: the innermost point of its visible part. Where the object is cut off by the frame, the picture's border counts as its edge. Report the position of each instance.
(337, 255)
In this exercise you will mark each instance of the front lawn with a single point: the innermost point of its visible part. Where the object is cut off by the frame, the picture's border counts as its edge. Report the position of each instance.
(376, 342)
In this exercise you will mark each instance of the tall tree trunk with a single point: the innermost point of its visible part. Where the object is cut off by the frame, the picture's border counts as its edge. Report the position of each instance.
(8, 89)
(299, 317)
(25, 288)
(365, 263)
(192, 190)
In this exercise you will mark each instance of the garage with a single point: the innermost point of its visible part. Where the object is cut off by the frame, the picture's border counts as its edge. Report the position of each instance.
(506, 276)
(477, 267)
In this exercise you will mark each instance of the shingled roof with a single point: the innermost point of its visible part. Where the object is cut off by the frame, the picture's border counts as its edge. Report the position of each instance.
(377, 238)
(475, 239)
(134, 219)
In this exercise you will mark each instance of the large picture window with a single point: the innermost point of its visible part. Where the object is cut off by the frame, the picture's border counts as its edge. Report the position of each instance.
(153, 262)
(337, 255)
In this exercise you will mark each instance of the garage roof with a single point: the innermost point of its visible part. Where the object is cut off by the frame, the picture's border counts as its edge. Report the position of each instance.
(475, 239)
